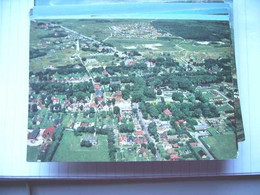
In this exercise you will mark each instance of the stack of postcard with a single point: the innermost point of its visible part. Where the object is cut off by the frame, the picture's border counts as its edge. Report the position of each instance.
(133, 81)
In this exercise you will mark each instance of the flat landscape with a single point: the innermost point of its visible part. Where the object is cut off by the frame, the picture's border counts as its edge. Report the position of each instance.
(131, 90)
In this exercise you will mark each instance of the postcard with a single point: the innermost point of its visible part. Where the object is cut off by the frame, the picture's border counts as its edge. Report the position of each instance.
(130, 90)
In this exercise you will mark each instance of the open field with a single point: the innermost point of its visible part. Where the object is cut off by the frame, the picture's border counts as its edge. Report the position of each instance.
(32, 153)
(141, 44)
(218, 145)
(70, 149)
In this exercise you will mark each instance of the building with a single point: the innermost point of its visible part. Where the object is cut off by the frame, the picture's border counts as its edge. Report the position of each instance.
(118, 95)
(96, 86)
(193, 144)
(140, 140)
(122, 140)
(92, 139)
(174, 157)
(99, 93)
(33, 135)
(202, 154)
(167, 112)
(139, 133)
(200, 127)
(173, 138)
(48, 132)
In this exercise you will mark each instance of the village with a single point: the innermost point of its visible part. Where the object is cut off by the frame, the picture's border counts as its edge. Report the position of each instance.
(99, 103)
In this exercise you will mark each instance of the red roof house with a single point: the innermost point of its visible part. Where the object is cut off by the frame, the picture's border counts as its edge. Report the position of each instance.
(140, 140)
(167, 112)
(174, 157)
(175, 145)
(84, 124)
(140, 132)
(96, 86)
(193, 144)
(48, 132)
(122, 139)
(99, 98)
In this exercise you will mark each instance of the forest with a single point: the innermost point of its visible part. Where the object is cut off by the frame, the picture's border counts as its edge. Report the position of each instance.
(195, 30)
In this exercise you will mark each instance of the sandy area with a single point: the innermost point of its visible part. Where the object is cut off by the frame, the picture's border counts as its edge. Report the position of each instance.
(130, 47)
(152, 46)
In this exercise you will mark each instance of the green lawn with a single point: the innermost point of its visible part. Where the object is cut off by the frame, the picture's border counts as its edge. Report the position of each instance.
(67, 120)
(32, 153)
(46, 122)
(224, 108)
(212, 131)
(70, 149)
(209, 95)
(222, 146)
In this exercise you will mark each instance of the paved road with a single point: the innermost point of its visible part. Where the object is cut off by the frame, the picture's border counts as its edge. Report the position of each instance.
(145, 129)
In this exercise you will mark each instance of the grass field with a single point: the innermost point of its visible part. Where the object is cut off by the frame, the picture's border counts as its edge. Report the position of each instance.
(70, 149)
(224, 108)
(212, 131)
(222, 146)
(209, 95)
(67, 120)
(32, 153)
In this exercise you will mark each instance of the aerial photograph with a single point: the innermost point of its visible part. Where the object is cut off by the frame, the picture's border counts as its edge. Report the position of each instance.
(131, 90)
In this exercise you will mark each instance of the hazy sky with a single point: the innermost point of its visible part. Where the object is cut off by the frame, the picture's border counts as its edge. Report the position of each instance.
(67, 2)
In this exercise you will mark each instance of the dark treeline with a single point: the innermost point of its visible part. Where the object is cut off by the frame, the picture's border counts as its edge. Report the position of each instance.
(54, 35)
(66, 88)
(35, 53)
(196, 30)
(63, 70)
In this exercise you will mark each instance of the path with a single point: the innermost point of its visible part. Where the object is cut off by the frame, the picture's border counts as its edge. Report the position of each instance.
(144, 127)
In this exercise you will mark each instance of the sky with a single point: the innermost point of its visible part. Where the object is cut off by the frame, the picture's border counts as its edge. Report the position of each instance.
(78, 2)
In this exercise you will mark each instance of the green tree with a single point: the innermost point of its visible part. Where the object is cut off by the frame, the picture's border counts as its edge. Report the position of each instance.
(159, 92)
(177, 96)
(116, 110)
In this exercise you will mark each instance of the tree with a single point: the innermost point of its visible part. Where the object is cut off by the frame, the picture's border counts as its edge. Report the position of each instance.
(96, 101)
(148, 92)
(34, 108)
(113, 101)
(80, 95)
(98, 79)
(197, 112)
(116, 110)
(153, 111)
(177, 96)
(92, 110)
(126, 94)
(152, 129)
(159, 92)
(126, 128)
(137, 96)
